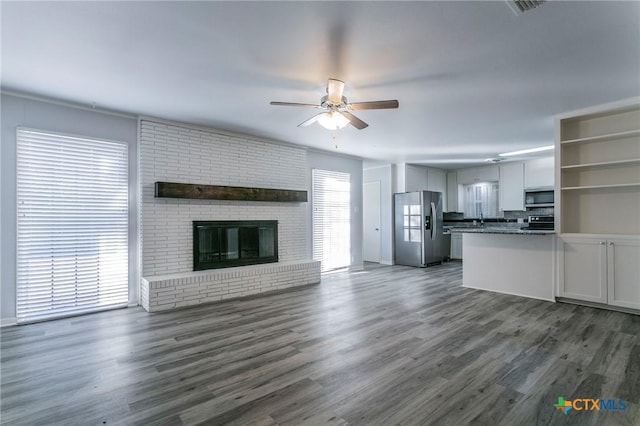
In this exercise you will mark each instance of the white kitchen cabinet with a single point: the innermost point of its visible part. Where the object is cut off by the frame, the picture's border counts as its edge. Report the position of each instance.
(511, 186)
(456, 246)
(603, 269)
(478, 174)
(623, 272)
(538, 173)
(452, 192)
(416, 178)
(583, 271)
(437, 181)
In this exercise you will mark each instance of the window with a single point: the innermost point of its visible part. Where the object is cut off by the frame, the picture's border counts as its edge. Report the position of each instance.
(331, 219)
(481, 199)
(72, 218)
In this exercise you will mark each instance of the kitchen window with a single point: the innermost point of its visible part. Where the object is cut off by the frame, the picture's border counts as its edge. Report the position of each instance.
(481, 200)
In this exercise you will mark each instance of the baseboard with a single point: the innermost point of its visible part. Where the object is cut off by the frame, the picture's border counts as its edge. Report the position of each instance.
(356, 268)
(7, 322)
(386, 262)
(598, 305)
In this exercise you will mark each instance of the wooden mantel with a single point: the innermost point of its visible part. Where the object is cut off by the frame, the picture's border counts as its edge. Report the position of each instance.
(218, 192)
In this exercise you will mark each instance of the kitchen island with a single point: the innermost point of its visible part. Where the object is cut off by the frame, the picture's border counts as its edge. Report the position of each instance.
(509, 260)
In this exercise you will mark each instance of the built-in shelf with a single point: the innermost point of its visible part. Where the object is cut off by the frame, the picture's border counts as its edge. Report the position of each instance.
(218, 192)
(610, 136)
(598, 169)
(602, 164)
(618, 185)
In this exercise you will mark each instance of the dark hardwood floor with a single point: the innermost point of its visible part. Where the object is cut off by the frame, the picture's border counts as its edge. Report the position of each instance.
(390, 345)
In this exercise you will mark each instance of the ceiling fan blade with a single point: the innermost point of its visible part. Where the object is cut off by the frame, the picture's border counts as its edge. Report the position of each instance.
(354, 121)
(374, 105)
(293, 104)
(311, 120)
(334, 90)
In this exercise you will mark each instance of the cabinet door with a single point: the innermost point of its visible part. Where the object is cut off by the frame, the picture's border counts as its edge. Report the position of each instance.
(512, 187)
(452, 192)
(623, 270)
(539, 173)
(456, 246)
(478, 174)
(583, 269)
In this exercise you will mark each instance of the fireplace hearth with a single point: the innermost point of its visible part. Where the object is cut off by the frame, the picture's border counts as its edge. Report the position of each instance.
(223, 244)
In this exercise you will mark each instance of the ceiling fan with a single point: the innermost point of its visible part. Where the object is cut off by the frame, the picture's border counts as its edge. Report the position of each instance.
(338, 109)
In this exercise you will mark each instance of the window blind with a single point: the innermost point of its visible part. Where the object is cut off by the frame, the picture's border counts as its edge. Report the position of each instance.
(72, 225)
(331, 219)
(481, 199)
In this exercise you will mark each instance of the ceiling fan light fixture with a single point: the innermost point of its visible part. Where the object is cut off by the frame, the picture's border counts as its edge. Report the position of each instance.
(332, 120)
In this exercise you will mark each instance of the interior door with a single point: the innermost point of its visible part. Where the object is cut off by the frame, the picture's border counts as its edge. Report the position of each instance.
(371, 222)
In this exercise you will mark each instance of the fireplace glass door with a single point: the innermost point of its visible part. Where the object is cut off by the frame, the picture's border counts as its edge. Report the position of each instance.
(221, 244)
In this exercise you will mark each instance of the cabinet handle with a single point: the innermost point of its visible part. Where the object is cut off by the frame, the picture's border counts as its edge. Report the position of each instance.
(610, 243)
(601, 243)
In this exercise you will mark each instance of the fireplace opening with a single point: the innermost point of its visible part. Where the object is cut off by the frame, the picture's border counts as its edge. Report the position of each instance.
(222, 244)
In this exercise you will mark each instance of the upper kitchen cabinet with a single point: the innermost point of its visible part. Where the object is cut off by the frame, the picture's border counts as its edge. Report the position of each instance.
(437, 180)
(421, 178)
(598, 170)
(478, 174)
(539, 173)
(452, 191)
(511, 195)
(416, 178)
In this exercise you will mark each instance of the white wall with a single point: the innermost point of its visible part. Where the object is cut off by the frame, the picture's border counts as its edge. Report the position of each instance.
(384, 175)
(173, 152)
(19, 111)
(326, 161)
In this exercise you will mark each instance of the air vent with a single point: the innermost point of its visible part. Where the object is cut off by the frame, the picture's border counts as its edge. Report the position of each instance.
(521, 6)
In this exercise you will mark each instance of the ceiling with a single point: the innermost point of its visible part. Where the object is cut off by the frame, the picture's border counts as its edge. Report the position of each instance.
(472, 78)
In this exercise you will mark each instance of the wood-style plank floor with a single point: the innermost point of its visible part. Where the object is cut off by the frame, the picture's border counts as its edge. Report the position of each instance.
(390, 345)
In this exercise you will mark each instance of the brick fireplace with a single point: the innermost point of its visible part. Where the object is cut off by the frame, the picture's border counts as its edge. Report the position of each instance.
(173, 152)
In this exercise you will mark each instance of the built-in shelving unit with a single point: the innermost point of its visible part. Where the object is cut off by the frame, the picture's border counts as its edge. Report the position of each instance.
(597, 210)
(598, 170)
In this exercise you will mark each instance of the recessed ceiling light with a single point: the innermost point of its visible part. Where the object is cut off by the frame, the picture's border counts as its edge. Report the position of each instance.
(527, 151)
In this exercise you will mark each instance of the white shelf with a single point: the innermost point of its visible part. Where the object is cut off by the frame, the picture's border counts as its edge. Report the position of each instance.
(602, 164)
(619, 185)
(610, 136)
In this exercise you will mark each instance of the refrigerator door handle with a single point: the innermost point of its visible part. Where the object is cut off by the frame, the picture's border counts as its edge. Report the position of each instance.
(434, 219)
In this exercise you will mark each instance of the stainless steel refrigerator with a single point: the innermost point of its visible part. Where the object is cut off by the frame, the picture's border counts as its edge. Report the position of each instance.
(418, 228)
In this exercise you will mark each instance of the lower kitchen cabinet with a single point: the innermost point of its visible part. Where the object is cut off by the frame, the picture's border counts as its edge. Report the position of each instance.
(623, 273)
(602, 269)
(456, 246)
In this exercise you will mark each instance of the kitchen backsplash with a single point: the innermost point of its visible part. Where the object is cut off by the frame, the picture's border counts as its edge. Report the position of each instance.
(508, 215)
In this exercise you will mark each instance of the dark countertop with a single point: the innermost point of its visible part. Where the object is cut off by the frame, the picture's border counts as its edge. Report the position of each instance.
(500, 230)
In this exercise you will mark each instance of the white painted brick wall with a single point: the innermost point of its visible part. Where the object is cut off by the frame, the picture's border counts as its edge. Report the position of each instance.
(173, 153)
(166, 292)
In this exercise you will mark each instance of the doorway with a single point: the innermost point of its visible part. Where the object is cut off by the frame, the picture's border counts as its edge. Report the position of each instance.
(371, 222)
(331, 219)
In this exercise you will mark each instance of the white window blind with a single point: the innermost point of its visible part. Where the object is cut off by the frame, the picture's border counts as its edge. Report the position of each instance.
(72, 217)
(331, 219)
(481, 199)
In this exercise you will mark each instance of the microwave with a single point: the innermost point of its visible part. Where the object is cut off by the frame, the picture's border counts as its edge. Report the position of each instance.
(538, 197)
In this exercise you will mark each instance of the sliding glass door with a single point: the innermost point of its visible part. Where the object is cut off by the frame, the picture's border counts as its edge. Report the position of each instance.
(331, 219)
(72, 225)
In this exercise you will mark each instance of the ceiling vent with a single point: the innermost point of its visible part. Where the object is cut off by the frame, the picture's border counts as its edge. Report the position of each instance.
(521, 6)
